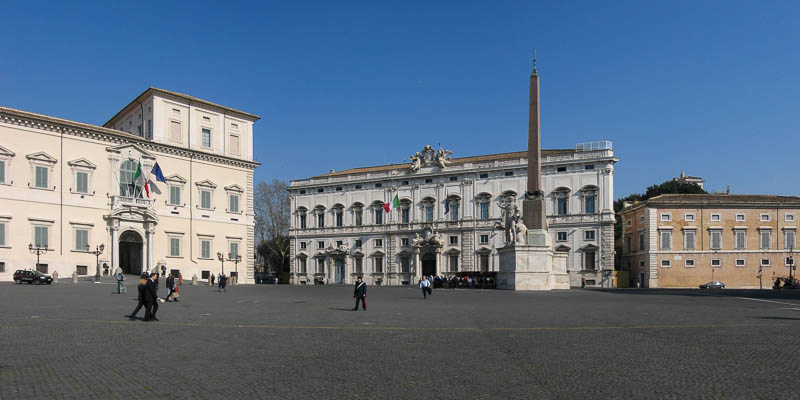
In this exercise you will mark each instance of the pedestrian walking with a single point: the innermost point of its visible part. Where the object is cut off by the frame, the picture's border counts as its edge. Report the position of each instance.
(223, 282)
(360, 293)
(151, 298)
(170, 286)
(424, 284)
(142, 289)
(212, 279)
(121, 283)
(163, 270)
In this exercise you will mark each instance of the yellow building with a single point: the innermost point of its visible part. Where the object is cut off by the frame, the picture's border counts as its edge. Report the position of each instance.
(68, 187)
(684, 240)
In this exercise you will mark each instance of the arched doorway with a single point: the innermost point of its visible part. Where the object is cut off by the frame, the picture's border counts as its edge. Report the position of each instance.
(130, 252)
(428, 264)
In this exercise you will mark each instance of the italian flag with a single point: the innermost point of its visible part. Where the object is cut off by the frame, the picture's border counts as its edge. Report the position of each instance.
(139, 178)
(395, 204)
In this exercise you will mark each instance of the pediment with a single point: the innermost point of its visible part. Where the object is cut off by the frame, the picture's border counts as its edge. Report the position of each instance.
(589, 247)
(6, 152)
(483, 249)
(378, 253)
(234, 188)
(131, 151)
(206, 183)
(562, 248)
(175, 178)
(453, 251)
(302, 255)
(41, 156)
(82, 163)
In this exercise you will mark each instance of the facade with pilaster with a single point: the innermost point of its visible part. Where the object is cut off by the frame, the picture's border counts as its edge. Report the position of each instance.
(446, 214)
(69, 187)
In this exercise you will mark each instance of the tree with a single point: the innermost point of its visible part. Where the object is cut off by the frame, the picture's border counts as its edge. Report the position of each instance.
(271, 207)
(668, 187)
(275, 253)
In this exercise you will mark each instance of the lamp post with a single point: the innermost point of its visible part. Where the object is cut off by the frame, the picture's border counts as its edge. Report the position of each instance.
(221, 257)
(98, 250)
(235, 258)
(791, 264)
(38, 250)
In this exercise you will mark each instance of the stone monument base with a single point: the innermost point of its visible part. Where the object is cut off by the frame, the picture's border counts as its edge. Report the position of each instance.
(533, 266)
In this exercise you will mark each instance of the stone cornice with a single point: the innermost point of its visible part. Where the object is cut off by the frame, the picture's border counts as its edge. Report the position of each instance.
(114, 137)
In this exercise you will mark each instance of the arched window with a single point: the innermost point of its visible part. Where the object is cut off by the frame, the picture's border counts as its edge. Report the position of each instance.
(589, 198)
(405, 211)
(301, 217)
(484, 200)
(561, 198)
(428, 204)
(377, 208)
(358, 213)
(320, 211)
(127, 185)
(338, 211)
(454, 202)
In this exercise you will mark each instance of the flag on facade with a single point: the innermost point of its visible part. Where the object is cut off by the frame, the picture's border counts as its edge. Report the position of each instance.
(387, 207)
(396, 202)
(159, 175)
(446, 206)
(153, 187)
(140, 179)
(147, 189)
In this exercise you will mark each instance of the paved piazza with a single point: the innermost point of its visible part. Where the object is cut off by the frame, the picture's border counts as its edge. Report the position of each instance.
(70, 341)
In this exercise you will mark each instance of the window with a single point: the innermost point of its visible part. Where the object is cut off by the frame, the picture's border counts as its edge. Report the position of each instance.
(561, 204)
(233, 250)
(666, 263)
(483, 176)
(404, 241)
(484, 239)
(205, 199)
(666, 240)
(175, 131)
(82, 269)
(485, 210)
(764, 217)
(429, 213)
(359, 265)
(81, 239)
(321, 244)
(405, 215)
(787, 217)
(789, 237)
(303, 221)
(561, 236)
(453, 178)
(740, 218)
(41, 177)
(453, 239)
(175, 195)
(629, 223)
(740, 262)
(303, 245)
(175, 247)
(508, 173)
(405, 264)
(358, 243)
(689, 240)
(589, 202)
(339, 217)
(589, 260)
(2, 171)
(233, 203)
(149, 134)
(404, 183)
(379, 215)
(378, 242)
(378, 185)
(234, 144)
(688, 217)
(320, 265)
(588, 166)
(205, 138)
(428, 180)
(302, 191)
(641, 219)
(358, 186)
(41, 236)
(641, 241)
(339, 243)
(302, 267)
(765, 262)
(588, 235)
(765, 239)
(740, 239)
(716, 218)
(453, 263)
(127, 186)
(176, 111)
(338, 188)
(454, 212)
(3, 234)
(359, 216)
(320, 219)
(716, 263)
(628, 248)
(82, 182)
(484, 262)
(205, 248)
(716, 239)
(561, 169)
(689, 263)
(666, 217)
(378, 265)
(320, 190)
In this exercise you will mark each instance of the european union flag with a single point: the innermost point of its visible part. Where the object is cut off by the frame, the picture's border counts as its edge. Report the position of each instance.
(157, 172)
(446, 206)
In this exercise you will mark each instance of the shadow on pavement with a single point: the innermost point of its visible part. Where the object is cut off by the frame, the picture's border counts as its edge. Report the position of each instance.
(750, 293)
(778, 318)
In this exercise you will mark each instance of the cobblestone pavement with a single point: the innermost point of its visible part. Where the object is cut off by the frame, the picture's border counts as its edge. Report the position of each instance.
(71, 341)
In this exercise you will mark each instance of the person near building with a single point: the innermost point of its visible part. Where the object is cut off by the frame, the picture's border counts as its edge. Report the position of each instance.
(151, 298)
(170, 286)
(223, 282)
(424, 284)
(212, 279)
(163, 270)
(360, 293)
(142, 289)
(121, 283)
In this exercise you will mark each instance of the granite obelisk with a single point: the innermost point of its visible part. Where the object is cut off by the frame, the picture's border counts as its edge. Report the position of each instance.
(533, 206)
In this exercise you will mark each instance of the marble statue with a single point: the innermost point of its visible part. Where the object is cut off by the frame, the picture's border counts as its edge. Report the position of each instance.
(520, 231)
(509, 213)
(416, 162)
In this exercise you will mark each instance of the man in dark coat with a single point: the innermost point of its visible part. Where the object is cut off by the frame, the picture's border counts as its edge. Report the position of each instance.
(140, 298)
(360, 293)
(151, 298)
(170, 286)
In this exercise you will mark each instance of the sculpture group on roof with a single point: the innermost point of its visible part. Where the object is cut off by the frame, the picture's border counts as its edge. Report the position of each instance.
(430, 157)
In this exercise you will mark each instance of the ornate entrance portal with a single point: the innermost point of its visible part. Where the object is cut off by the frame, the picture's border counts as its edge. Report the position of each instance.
(428, 264)
(130, 252)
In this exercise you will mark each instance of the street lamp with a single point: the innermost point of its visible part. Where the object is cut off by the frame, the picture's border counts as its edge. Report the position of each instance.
(38, 250)
(98, 250)
(791, 263)
(221, 257)
(235, 258)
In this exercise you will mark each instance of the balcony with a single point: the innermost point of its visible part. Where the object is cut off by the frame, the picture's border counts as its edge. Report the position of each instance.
(123, 201)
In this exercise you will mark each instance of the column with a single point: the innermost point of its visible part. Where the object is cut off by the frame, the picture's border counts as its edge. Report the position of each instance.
(114, 248)
(440, 268)
(149, 262)
(348, 270)
(328, 268)
(417, 266)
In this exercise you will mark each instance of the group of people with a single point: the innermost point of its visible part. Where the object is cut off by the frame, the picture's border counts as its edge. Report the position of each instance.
(148, 297)
(222, 282)
(479, 281)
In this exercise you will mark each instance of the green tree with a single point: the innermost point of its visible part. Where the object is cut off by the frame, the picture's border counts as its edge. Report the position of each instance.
(668, 187)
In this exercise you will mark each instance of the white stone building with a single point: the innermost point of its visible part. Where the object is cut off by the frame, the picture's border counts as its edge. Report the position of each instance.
(68, 187)
(339, 228)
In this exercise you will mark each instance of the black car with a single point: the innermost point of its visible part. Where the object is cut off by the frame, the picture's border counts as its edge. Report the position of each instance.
(32, 277)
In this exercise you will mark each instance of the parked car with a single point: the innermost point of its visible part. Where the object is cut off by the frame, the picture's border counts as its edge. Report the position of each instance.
(32, 277)
(713, 285)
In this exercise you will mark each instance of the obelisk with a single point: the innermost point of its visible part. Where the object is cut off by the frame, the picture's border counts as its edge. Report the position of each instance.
(533, 207)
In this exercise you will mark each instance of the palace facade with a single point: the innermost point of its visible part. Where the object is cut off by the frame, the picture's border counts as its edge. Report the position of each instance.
(68, 187)
(443, 220)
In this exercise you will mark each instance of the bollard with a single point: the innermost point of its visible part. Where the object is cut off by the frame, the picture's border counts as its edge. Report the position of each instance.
(75, 277)
(194, 280)
(55, 277)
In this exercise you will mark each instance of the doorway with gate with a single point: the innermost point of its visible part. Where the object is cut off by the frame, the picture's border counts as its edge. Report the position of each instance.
(130, 253)
(339, 271)
(428, 264)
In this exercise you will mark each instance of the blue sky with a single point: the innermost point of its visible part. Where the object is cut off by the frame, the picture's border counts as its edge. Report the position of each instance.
(709, 88)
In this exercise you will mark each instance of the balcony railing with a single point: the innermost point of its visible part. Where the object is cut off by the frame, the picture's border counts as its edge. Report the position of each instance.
(117, 201)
